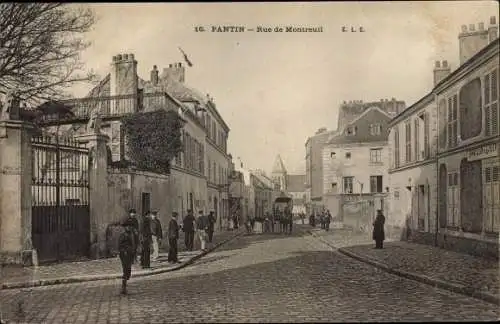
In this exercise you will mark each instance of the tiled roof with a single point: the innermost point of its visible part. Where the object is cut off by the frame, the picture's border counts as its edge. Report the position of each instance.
(296, 183)
(362, 126)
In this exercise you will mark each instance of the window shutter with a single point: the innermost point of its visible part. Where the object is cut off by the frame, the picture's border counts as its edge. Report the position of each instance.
(488, 120)
(494, 118)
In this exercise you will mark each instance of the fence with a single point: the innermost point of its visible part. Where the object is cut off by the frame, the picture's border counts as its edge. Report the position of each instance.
(60, 198)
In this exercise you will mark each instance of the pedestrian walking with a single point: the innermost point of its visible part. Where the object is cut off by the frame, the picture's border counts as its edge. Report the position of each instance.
(188, 229)
(202, 228)
(378, 230)
(328, 220)
(127, 247)
(156, 235)
(173, 237)
(211, 226)
(312, 220)
(252, 223)
(146, 241)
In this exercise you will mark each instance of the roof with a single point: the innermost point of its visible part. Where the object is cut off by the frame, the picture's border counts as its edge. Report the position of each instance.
(296, 183)
(278, 166)
(372, 115)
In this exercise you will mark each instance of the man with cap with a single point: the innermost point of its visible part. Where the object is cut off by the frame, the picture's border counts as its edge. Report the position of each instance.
(211, 226)
(202, 228)
(173, 236)
(132, 219)
(146, 241)
(156, 234)
(127, 246)
(188, 228)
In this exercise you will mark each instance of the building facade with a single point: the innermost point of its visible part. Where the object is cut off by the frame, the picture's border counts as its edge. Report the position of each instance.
(355, 166)
(297, 190)
(452, 188)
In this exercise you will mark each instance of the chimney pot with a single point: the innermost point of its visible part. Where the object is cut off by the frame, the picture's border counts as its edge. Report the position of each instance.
(493, 20)
(393, 99)
(170, 65)
(445, 64)
(464, 28)
(381, 100)
(437, 64)
(155, 67)
(119, 57)
(481, 26)
(472, 27)
(125, 57)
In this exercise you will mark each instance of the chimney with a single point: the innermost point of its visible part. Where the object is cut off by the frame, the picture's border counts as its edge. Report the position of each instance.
(154, 75)
(471, 41)
(175, 72)
(492, 29)
(441, 71)
(123, 76)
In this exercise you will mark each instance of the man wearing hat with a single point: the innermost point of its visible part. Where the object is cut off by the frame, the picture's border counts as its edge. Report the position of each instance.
(211, 225)
(202, 228)
(127, 246)
(156, 234)
(173, 237)
(132, 219)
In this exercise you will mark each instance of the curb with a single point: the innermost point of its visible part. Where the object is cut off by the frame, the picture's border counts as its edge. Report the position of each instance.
(60, 281)
(437, 283)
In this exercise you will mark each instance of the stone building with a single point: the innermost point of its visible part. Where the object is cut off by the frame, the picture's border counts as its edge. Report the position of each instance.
(450, 176)
(297, 189)
(355, 167)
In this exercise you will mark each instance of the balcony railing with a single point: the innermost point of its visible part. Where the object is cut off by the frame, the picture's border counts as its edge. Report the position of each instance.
(110, 106)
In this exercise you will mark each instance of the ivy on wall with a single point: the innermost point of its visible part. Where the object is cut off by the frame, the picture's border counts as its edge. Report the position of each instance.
(153, 139)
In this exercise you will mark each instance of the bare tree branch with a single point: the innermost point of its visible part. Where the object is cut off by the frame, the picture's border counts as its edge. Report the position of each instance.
(40, 47)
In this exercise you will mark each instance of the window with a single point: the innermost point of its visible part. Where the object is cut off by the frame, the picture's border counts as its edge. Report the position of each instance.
(491, 103)
(396, 148)
(453, 202)
(351, 130)
(491, 189)
(375, 155)
(209, 170)
(442, 136)
(348, 155)
(348, 184)
(334, 187)
(375, 129)
(214, 132)
(201, 166)
(417, 139)
(376, 184)
(215, 173)
(425, 117)
(471, 112)
(332, 154)
(408, 141)
(452, 121)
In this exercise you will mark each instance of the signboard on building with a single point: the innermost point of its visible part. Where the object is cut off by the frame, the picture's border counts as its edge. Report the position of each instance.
(483, 152)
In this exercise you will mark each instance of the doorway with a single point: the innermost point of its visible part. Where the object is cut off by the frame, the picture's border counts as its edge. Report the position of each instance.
(146, 202)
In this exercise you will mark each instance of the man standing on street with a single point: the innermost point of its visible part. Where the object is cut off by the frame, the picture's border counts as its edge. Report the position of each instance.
(188, 228)
(202, 228)
(132, 219)
(156, 234)
(146, 241)
(378, 230)
(328, 220)
(211, 226)
(127, 249)
(173, 236)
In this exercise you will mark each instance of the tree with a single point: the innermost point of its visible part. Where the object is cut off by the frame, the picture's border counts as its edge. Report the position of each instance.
(40, 46)
(153, 139)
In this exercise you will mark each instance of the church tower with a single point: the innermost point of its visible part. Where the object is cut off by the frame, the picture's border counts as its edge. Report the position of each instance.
(278, 174)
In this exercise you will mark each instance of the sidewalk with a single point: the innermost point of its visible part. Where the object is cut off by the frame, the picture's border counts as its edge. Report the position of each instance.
(460, 273)
(102, 269)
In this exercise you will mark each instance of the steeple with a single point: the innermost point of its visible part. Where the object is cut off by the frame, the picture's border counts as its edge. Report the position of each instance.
(278, 166)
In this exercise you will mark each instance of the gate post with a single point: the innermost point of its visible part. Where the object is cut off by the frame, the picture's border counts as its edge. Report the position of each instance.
(16, 246)
(98, 190)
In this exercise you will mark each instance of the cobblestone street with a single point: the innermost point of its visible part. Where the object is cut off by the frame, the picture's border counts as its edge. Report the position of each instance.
(255, 278)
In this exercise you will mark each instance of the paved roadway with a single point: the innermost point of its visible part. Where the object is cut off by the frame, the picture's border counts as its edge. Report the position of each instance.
(252, 279)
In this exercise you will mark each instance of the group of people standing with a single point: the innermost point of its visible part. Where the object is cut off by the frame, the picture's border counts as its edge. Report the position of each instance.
(149, 236)
(324, 218)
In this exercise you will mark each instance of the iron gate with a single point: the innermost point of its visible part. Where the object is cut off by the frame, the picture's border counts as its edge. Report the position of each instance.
(60, 198)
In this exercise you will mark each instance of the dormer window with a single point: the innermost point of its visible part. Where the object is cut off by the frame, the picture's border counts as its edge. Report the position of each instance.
(351, 130)
(375, 129)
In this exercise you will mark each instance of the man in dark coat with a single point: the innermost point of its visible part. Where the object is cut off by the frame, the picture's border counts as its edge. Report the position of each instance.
(146, 241)
(328, 220)
(127, 249)
(378, 230)
(156, 234)
(173, 236)
(188, 228)
(134, 222)
(211, 226)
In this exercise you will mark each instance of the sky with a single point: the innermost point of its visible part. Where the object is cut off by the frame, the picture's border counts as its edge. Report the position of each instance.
(275, 89)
